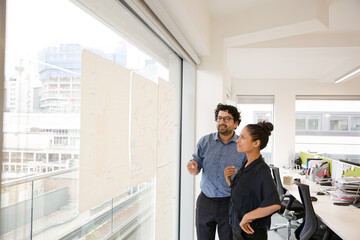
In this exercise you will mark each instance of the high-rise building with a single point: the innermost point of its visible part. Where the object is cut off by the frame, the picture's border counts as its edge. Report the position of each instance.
(10, 89)
(19, 87)
(59, 73)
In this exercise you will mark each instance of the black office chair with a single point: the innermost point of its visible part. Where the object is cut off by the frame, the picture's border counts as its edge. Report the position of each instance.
(291, 209)
(311, 228)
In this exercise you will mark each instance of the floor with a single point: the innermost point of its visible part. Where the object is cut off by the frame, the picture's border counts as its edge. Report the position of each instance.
(275, 235)
(281, 233)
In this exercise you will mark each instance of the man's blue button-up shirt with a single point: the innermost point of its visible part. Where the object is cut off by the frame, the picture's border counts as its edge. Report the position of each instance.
(213, 156)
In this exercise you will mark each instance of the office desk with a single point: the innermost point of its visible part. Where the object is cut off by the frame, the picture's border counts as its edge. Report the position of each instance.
(343, 220)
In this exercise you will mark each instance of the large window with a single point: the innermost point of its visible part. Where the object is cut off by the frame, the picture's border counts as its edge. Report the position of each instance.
(338, 123)
(42, 181)
(256, 109)
(355, 123)
(328, 125)
(308, 122)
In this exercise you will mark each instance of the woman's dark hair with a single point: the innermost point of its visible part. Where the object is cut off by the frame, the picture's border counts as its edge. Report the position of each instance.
(260, 131)
(230, 109)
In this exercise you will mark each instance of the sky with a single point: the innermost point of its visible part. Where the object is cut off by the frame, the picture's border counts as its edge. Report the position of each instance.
(34, 25)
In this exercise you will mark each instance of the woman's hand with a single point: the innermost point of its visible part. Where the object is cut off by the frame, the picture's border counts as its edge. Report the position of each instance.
(228, 172)
(193, 168)
(245, 225)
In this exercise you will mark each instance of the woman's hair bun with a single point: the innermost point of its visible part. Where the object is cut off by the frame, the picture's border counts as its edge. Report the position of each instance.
(267, 126)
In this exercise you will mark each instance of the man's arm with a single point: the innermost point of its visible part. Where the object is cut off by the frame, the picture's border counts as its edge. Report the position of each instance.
(195, 165)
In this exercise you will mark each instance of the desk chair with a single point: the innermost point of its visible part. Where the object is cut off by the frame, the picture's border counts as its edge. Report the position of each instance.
(310, 228)
(291, 209)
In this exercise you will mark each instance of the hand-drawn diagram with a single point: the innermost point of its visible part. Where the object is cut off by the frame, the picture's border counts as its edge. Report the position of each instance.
(105, 167)
(143, 138)
(166, 128)
(104, 145)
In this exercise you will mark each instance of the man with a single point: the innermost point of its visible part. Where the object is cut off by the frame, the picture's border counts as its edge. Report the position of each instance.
(214, 152)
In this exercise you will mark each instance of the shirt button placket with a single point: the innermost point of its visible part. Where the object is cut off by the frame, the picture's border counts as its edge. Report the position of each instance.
(220, 162)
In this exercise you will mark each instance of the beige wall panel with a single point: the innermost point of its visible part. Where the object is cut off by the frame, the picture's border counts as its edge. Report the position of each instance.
(104, 142)
(166, 121)
(164, 202)
(143, 140)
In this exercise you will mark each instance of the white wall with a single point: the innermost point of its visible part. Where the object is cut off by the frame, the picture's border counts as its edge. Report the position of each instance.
(209, 88)
(285, 92)
(209, 93)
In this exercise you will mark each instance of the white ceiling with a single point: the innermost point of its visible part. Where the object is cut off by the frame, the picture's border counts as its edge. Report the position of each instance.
(219, 9)
(322, 54)
(288, 63)
(273, 39)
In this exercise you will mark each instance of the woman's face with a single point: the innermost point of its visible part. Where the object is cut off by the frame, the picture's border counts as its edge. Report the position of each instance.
(244, 142)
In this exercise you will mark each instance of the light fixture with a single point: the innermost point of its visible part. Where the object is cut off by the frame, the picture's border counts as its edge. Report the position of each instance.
(349, 75)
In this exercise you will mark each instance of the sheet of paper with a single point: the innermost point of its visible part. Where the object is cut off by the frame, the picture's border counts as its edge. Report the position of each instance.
(143, 138)
(337, 169)
(104, 146)
(164, 202)
(166, 121)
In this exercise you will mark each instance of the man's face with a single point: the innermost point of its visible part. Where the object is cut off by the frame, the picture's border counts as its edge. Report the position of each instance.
(225, 123)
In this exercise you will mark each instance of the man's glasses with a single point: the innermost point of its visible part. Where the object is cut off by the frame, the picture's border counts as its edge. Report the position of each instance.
(226, 119)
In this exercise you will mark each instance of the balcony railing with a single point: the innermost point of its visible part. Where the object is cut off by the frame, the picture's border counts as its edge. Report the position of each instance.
(45, 206)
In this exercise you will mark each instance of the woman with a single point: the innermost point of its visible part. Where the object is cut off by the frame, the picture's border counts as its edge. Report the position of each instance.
(253, 193)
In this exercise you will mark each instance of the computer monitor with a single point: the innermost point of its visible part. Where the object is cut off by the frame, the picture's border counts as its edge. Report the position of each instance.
(310, 159)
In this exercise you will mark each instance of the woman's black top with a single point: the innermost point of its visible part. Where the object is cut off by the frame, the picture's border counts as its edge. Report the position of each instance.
(251, 188)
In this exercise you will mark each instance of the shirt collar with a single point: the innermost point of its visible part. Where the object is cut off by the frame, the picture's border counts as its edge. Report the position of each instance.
(233, 139)
(254, 163)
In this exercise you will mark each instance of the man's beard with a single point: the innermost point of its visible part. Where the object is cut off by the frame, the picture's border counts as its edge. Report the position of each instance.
(226, 131)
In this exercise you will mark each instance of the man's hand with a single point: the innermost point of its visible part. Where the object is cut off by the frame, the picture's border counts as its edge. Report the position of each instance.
(193, 168)
(245, 225)
(228, 172)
